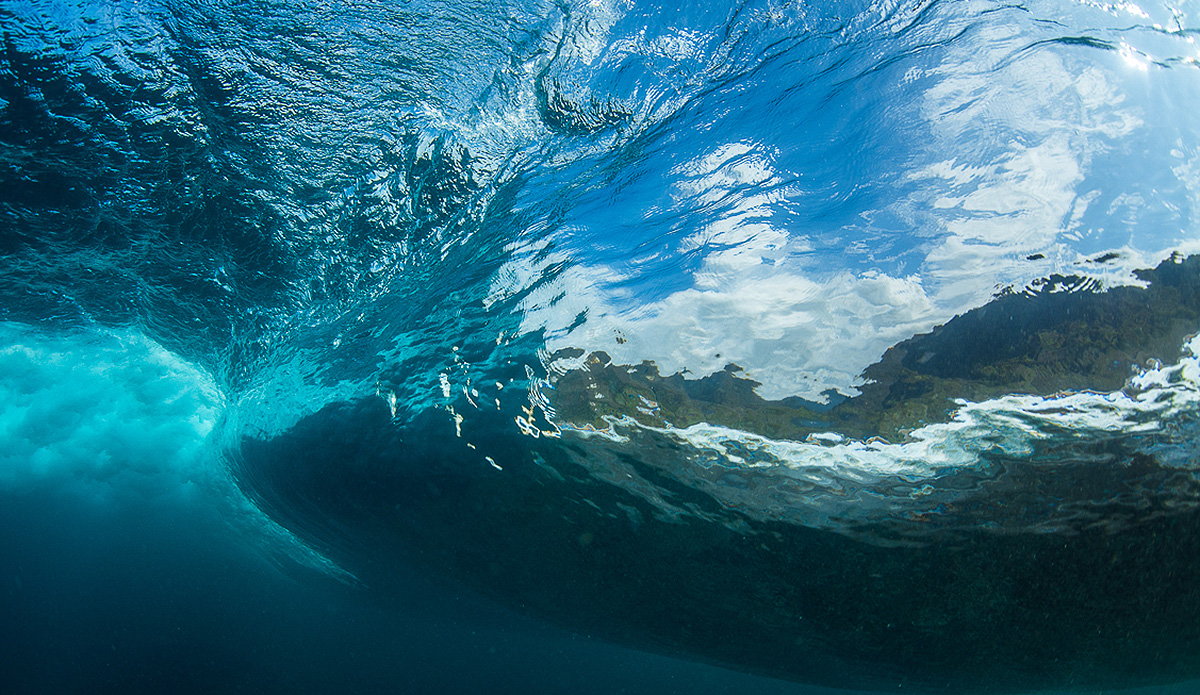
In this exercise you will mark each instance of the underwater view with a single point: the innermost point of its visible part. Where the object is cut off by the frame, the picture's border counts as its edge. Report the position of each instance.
(599, 346)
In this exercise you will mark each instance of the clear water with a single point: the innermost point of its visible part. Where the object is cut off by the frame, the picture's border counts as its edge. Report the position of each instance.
(850, 343)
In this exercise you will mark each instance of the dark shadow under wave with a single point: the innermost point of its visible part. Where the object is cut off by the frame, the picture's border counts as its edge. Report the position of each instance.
(612, 537)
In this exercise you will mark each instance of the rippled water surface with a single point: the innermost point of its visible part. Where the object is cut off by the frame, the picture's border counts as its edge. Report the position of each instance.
(851, 343)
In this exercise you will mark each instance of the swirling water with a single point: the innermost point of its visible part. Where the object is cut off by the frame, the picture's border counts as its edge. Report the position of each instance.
(849, 342)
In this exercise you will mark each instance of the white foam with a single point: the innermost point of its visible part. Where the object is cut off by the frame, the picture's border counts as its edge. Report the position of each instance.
(110, 410)
(112, 417)
(1008, 425)
(837, 479)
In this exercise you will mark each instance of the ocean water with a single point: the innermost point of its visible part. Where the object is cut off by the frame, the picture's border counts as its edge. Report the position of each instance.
(599, 347)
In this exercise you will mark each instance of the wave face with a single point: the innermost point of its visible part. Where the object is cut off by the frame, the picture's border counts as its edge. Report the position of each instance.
(850, 342)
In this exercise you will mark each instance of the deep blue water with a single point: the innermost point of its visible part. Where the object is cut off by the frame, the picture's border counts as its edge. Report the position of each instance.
(601, 346)
(146, 599)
